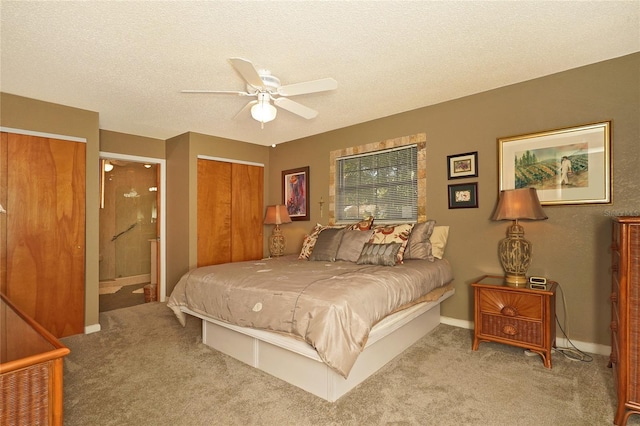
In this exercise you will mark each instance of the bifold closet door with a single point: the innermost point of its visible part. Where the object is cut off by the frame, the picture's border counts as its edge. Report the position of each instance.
(230, 203)
(45, 230)
(247, 189)
(214, 212)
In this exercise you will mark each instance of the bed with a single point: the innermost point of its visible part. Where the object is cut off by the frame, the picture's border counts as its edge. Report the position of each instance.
(324, 320)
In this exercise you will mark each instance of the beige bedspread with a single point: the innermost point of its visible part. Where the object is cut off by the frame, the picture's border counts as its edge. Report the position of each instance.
(330, 305)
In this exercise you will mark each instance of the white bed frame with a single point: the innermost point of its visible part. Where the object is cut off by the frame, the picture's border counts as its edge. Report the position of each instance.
(297, 363)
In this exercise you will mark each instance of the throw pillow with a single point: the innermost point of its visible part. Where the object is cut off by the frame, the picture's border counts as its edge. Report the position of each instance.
(351, 245)
(310, 241)
(379, 254)
(419, 245)
(326, 247)
(384, 234)
(363, 225)
(439, 240)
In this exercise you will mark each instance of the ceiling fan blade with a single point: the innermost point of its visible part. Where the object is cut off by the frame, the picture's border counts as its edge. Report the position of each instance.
(248, 72)
(244, 110)
(308, 87)
(219, 92)
(296, 108)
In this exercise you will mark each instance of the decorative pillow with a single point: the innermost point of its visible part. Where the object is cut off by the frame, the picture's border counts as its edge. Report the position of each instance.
(363, 225)
(384, 234)
(419, 245)
(379, 254)
(351, 244)
(439, 240)
(310, 241)
(327, 244)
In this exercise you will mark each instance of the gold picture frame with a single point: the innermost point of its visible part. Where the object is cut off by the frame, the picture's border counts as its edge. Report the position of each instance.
(567, 166)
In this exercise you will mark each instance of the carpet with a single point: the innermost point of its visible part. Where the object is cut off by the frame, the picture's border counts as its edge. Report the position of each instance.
(143, 368)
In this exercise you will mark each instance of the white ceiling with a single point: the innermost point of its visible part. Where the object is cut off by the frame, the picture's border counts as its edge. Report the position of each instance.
(129, 60)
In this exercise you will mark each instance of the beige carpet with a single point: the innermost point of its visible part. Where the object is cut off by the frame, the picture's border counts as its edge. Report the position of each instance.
(143, 368)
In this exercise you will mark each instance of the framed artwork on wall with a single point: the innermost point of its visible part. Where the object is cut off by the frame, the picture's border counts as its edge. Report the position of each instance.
(462, 165)
(566, 166)
(463, 196)
(295, 192)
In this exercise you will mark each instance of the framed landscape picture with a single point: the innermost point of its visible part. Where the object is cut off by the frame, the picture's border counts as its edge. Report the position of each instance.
(295, 192)
(462, 165)
(566, 166)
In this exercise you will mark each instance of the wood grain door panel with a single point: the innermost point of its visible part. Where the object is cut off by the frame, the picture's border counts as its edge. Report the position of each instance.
(46, 230)
(214, 212)
(247, 200)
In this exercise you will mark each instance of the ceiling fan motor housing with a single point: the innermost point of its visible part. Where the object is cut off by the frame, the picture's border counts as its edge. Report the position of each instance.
(270, 82)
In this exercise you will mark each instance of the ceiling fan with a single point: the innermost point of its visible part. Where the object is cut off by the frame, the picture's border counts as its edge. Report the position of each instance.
(266, 88)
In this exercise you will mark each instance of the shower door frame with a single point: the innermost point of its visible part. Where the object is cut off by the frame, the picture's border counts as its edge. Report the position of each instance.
(162, 191)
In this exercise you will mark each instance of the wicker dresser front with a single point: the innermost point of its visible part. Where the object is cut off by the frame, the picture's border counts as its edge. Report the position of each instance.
(31, 370)
(625, 316)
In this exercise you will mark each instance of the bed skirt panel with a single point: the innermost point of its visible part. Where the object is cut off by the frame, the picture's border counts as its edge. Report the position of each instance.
(297, 363)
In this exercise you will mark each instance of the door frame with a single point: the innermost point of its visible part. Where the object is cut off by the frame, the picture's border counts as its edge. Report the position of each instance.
(161, 163)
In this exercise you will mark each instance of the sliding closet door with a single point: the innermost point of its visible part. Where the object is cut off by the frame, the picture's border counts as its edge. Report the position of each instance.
(45, 228)
(247, 183)
(230, 203)
(214, 212)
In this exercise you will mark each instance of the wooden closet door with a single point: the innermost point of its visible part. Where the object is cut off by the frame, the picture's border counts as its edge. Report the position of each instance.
(247, 183)
(46, 230)
(230, 203)
(214, 212)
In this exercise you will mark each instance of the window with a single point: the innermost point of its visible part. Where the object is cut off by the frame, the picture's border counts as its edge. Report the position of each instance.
(383, 184)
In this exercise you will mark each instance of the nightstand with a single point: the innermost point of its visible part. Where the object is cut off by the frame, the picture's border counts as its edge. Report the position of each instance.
(517, 316)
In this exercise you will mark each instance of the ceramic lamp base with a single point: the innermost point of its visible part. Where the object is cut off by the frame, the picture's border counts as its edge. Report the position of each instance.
(276, 242)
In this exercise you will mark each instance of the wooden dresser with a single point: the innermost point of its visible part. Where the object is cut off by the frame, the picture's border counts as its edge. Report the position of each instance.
(31, 370)
(625, 316)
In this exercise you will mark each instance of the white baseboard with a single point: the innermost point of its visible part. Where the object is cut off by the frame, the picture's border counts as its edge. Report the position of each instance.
(561, 342)
(457, 322)
(588, 347)
(94, 328)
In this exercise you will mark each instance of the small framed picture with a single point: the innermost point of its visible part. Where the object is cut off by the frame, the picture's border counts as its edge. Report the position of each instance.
(295, 192)
(462, 165)
(463, 196)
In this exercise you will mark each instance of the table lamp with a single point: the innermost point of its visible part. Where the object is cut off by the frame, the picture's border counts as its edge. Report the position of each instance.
(276, 215)
(515, 251)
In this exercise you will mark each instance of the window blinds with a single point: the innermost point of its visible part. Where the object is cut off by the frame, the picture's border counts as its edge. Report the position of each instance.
(382, 184)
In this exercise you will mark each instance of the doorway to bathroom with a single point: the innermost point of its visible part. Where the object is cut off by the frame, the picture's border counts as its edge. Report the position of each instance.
(131, 239)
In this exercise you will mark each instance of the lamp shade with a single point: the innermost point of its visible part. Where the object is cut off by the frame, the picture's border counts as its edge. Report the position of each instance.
(263, 111)
(276, 215)
(515, 204)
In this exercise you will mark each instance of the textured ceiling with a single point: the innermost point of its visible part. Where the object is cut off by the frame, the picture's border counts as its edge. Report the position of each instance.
(129, 60)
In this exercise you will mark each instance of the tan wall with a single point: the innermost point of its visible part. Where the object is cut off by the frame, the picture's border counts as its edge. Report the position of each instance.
(182, 154)
(123, 143)
(38, 116)
(571, 247)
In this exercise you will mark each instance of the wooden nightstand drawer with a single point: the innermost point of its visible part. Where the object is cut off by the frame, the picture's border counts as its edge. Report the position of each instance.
(512, 329)
(510, 304)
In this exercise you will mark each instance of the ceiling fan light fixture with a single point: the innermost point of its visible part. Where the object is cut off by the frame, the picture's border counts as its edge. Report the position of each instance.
(263, 111)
